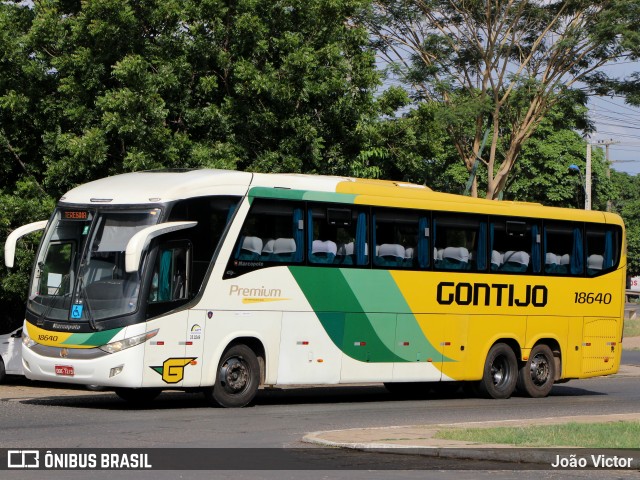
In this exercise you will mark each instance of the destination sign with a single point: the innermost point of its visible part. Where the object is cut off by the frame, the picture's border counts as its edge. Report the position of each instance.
(75, 214)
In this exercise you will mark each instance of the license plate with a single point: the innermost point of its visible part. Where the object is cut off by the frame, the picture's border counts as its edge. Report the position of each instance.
(64, 370)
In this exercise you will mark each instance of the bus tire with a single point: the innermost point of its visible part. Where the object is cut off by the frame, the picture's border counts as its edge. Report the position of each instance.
(237, 378)
(537, 375)
(500, 372)
(138, 396)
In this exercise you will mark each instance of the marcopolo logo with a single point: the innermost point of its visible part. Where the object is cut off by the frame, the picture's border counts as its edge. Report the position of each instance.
(495, 294)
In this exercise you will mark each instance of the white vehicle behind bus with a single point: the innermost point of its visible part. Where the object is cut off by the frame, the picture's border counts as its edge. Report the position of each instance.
(11, 354)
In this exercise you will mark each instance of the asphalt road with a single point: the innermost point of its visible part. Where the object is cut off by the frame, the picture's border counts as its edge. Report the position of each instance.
(38, 416)
(631, 357)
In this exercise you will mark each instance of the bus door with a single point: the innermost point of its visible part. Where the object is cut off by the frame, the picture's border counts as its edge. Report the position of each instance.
(194, 346)
(169, 354)
(165, 356)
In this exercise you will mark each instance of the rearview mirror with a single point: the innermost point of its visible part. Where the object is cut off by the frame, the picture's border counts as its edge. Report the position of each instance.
(140, 240)
(12, 239)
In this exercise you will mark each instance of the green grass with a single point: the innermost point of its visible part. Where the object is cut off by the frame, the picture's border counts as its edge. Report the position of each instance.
(587, 435)
(632, 328)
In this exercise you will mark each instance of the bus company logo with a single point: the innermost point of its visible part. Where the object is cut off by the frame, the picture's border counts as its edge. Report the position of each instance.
(256, 295)
(495, 294)
(172, 370)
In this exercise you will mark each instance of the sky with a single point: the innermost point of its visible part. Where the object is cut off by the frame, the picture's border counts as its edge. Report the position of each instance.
(619, 124)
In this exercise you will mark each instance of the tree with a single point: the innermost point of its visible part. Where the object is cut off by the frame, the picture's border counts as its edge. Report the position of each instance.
(129, 85)
(410, 147)
(22, 205)
(501, 66)
(627, 204)
(541, 173)
(100, 87)
(414, 147)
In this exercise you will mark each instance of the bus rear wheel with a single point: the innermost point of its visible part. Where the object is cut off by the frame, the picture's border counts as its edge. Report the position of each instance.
(537, 375)
(237, 378)
(500, 372)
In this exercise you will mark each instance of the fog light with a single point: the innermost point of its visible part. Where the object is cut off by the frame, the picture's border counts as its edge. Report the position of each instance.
(116, 371)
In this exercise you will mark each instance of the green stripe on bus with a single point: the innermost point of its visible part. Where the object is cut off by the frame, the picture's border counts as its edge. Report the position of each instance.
(377, 291)
(364, 312)
(92, 339)
(288, 194)
(341, 314)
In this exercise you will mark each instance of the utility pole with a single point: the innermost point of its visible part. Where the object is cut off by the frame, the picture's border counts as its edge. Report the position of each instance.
(607, 144)
(587, 181)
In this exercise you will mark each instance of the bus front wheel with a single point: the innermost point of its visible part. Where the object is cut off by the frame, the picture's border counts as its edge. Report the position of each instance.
(538, 374)
(500, 372)
(237, 378)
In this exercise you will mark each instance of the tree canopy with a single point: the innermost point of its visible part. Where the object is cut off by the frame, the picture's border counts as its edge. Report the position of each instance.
(501, 66)
(99, 87)
(94, 88)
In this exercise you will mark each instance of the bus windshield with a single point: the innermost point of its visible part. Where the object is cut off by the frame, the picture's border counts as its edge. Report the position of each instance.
(79, 274)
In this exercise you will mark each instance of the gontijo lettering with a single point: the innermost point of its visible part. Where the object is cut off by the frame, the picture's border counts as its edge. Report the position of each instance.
(496, 294)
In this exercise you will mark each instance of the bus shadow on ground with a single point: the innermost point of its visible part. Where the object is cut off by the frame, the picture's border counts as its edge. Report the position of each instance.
(283, 396)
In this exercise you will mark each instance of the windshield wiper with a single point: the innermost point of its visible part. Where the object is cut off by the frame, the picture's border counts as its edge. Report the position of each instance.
(87, 304)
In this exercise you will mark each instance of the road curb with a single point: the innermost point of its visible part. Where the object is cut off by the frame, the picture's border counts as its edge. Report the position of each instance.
(419, 440)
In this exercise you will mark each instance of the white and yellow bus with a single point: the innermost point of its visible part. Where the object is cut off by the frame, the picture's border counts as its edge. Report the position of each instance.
(227, 281)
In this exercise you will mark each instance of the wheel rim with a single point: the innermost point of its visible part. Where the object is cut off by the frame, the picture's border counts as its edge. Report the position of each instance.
(499, 371)
(539, 369)
(235, 375)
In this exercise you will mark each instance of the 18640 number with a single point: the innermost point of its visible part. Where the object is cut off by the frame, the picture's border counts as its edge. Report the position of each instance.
(590, 297)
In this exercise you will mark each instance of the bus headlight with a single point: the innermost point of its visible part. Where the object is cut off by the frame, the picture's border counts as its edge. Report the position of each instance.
(26, 339)
(128, 342)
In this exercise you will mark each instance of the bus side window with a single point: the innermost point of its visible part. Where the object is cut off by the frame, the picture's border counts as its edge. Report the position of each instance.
(272, 233)
(460, 242)
(398, 240)
(563, 248)
(601, 252)
(515, 245)
(170, 280)
(337, 235)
